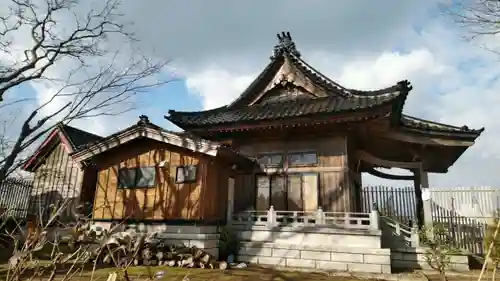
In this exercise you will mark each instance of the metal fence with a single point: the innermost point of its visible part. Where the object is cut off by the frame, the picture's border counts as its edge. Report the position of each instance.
(15, 197)
(463, 211)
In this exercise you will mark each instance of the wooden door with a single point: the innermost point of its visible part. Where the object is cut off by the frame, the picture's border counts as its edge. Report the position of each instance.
(294, 191)
(263, 189)
(310, 191)
(278, 193)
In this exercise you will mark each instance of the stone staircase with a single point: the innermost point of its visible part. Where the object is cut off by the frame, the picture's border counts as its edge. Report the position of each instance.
(406, 249)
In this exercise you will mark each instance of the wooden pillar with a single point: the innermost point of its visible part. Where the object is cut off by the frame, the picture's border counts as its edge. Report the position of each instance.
(426, 198)
(422, 195)
(230, 199)
(418, 198)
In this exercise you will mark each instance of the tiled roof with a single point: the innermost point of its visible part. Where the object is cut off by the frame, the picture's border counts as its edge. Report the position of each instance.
(339, 99)
(78, 137)
(426, 125)
(283, 109)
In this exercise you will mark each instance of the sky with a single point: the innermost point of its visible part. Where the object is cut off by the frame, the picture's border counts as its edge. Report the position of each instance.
(216, 48)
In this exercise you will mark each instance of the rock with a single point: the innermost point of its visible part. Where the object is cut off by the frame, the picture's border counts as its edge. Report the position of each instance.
(223, 265)
(241, 265)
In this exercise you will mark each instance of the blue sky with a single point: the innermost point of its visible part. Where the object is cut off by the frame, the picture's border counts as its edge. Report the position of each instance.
(219, 47)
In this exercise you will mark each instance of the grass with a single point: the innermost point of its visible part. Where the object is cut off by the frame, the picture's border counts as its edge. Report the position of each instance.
(243, 274)
(196, 274)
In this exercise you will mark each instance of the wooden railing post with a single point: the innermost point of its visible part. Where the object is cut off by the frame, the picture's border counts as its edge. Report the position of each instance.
(320, 216)
(375, 217)
(271, 216)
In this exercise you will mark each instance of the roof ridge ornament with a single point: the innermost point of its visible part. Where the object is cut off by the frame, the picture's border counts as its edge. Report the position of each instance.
(285, 44)
(143, 120)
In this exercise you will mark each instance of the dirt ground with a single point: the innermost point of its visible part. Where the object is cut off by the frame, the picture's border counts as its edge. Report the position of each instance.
(179, 274)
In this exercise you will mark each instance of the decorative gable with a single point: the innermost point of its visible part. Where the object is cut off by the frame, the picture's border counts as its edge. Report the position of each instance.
(289, 83)
(285, 91)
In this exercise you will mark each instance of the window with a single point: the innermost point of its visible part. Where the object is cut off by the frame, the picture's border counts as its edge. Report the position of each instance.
(302, 159)
(139, 177)
(185, 174)
(268, 160)
(292, 192)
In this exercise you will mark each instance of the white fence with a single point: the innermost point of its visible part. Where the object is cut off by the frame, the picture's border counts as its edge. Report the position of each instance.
(463, 210)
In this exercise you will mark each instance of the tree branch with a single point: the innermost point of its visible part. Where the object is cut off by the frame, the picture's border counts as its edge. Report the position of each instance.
(98, 82)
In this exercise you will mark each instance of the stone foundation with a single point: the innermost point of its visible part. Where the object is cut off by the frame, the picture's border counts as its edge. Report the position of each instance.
(203, 237)
(310, 236)
(414, 258)
(317, 257)
(322, 248)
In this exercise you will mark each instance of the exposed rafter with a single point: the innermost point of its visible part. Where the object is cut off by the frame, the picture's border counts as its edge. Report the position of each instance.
(369, 158)
(383, 175)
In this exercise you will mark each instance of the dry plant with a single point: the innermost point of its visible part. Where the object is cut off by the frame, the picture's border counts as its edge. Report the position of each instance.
(75, 249)
(70, 248)
(492, 239)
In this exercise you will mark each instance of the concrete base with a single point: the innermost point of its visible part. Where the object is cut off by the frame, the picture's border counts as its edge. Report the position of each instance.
(203, 237)
(320, 248)
(310, 236)
(414, 258)
(314, 257)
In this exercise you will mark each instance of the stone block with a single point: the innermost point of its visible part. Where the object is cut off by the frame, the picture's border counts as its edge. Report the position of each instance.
(284, 253)
(331, 265)
(272, 261)
(386, 269)
(188, 236)
(178, 241)
(204, 244)
(303, 263)
(190, 229)
(346, 257)
(249, 259)
(362, 267)
(459, 259)
(315, 237)
(377, 259)
(213, 251)
(257, 251)
(315, 255)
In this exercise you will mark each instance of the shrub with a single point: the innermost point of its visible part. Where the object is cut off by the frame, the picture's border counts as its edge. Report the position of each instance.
(229, 243)
(439, 248)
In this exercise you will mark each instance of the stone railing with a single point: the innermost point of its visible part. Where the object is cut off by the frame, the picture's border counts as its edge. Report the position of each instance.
(274, 217)
(401, 234)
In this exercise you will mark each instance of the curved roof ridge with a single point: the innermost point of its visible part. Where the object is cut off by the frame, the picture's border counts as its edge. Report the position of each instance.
(213, 110)
(348, 92)
(444, 125)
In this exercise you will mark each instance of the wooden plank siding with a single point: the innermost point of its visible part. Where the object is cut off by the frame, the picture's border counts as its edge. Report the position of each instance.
(203, 199)
(354, 176)
(334, 189)
(57, 179)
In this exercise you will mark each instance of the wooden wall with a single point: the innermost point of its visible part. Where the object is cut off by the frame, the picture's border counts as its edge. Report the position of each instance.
(201, 200)
(57, 179)
(334, 191)
(354, 177)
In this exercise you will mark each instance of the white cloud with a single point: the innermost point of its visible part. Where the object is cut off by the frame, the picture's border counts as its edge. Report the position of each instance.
(217, 86)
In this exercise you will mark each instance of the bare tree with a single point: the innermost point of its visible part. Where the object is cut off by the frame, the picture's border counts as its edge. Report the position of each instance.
(479, 17)
(72, 35)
